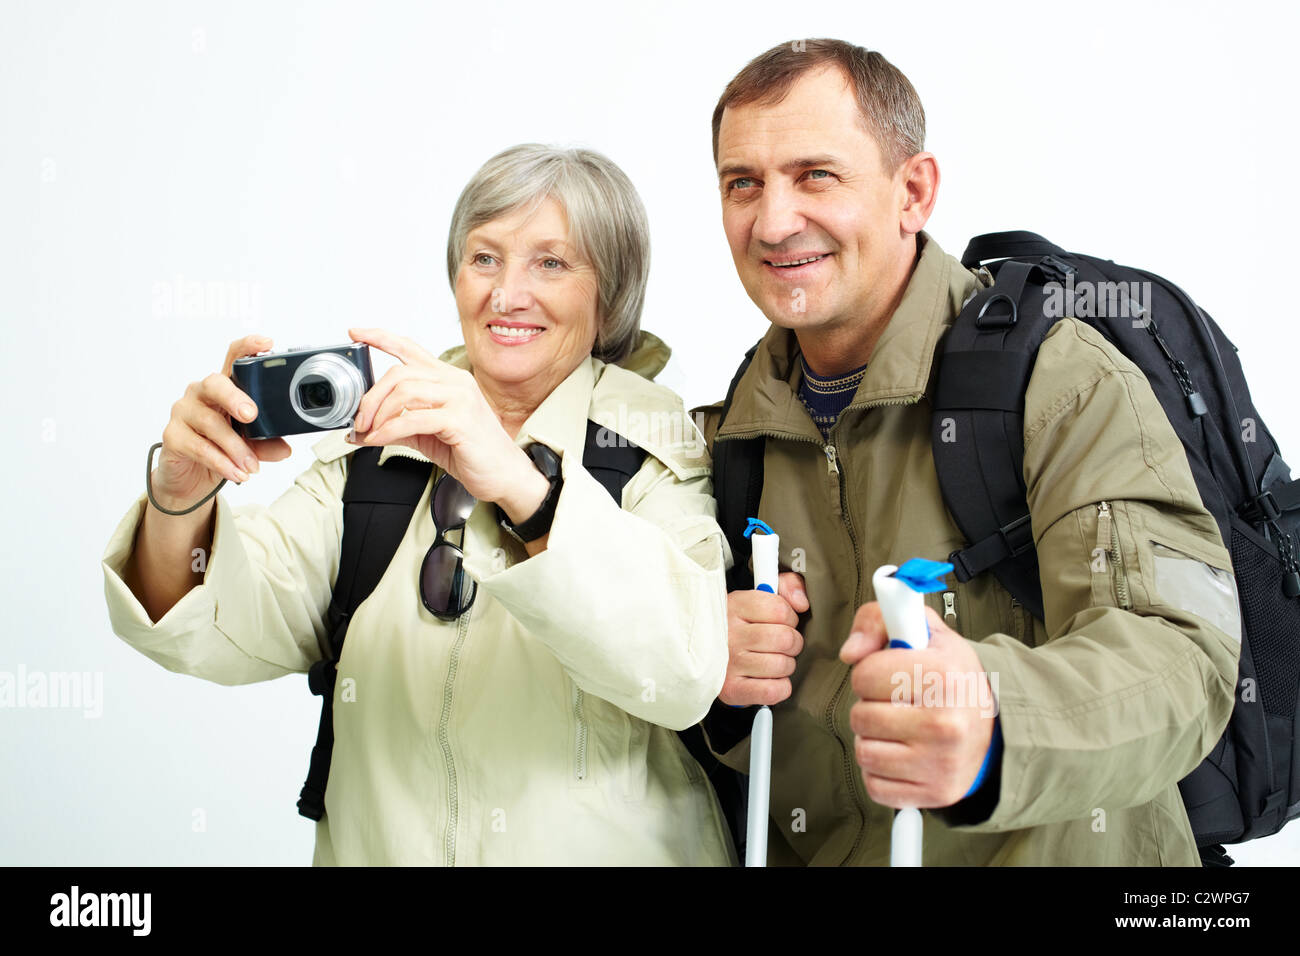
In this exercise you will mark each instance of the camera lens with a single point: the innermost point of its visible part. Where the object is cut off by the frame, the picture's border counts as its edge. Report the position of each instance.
(326, 390)
(315, 394)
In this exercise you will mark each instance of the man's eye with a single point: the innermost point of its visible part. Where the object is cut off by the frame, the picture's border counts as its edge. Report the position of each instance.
(744, 182)
(818, 174)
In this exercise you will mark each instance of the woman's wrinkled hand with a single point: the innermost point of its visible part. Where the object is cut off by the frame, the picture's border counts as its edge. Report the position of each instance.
(439, 410)
(199, 444)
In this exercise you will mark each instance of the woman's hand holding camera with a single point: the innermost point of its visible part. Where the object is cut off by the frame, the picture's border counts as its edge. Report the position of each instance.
(439, 410)
(199, 444)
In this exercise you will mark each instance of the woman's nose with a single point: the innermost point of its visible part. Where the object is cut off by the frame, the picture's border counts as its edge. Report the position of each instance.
(513, 291)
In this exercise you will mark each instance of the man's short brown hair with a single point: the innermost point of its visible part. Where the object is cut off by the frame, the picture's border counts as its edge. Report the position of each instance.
(890, 108)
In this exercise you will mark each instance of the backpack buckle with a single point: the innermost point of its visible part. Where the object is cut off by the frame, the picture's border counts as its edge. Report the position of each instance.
(1055, 268)
(1007, 542)
(320, 678)
(1262, 507)
(1017, 528)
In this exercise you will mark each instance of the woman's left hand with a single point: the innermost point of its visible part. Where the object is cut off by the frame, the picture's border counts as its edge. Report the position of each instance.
(438, 410)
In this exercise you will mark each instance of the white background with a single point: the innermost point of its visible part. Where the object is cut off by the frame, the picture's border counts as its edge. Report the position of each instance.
(310, 154)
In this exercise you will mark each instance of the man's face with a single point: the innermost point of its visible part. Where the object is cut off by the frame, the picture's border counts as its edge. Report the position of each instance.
(803, 179)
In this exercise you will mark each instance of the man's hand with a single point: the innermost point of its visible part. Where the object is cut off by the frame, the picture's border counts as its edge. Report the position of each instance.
(762, 635)
(926, 754)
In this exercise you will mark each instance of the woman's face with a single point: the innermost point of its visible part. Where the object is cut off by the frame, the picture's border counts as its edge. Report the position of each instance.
(527, 300)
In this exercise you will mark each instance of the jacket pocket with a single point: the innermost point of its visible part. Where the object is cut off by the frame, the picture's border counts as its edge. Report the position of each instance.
(1184, 581)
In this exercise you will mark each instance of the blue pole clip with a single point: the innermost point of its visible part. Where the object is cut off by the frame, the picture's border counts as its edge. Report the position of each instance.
(756, 525)
(921, 574)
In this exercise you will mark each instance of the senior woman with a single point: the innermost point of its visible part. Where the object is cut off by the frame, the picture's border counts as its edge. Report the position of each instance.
(516, 705)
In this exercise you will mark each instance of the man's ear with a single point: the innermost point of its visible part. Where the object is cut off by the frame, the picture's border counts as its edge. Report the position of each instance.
(918, 189)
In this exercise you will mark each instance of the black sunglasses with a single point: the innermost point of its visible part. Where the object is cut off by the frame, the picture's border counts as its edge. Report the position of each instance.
(446, 590)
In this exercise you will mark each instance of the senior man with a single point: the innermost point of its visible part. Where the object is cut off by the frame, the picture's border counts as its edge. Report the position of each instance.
(1082, 725)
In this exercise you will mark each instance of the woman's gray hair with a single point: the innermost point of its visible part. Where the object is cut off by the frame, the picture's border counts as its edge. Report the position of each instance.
(606, 221)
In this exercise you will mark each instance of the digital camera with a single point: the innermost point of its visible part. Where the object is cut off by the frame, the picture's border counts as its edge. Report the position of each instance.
(303, 390)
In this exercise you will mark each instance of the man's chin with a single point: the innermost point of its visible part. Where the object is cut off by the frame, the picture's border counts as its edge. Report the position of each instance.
(793, 319)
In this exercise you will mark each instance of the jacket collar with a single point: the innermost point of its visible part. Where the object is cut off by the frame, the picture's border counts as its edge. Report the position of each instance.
(766, 398)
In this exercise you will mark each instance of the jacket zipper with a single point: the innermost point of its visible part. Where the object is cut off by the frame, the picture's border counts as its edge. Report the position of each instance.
(578, 698)
(1108, 542)
(444, 739)
(950, 609)
(1018, 620)
(832, 463)
(849, 765)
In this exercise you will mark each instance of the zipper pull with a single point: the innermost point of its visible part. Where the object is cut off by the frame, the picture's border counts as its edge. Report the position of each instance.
(950, 609)
(1103, 528)
(833, 472)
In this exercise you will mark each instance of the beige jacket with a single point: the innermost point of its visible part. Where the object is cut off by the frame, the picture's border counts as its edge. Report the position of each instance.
(540, 727)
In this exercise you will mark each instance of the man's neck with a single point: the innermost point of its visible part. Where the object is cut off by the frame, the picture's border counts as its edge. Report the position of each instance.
(842, 347)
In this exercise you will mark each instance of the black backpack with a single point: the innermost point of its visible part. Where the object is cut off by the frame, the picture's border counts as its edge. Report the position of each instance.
(378, 505)
(1248, 786)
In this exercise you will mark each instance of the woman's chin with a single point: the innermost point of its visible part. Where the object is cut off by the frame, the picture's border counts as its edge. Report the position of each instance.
(507, 366)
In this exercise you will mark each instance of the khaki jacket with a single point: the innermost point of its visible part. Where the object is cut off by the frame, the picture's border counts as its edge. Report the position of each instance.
(1105, 708)
(539, 728)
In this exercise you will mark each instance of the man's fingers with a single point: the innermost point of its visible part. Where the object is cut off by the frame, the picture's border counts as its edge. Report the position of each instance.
(866, 634)
(894, 793)
(886, 758)
(760, 607)
(891, 674)
(885, 720)
(767, 639)
(758, 664)
(744, 691)
(791, 587)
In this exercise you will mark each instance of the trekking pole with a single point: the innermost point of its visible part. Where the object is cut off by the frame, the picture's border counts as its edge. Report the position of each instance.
(899, 591)
(766, 547)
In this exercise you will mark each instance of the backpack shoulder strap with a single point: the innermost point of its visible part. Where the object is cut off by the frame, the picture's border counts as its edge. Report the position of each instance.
(977, 429)
(738, 486)
(611, 459)
(378, 504)
(1002, 245)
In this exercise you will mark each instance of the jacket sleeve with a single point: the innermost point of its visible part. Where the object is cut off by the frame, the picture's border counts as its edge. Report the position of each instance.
(1135, 682)
(259, 612)
(632, 600)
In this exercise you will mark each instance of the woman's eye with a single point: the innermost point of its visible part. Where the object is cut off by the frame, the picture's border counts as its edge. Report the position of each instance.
(483, 259)
(547, 265)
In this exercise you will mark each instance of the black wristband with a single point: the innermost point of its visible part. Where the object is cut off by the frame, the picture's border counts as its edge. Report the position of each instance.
(539, 522)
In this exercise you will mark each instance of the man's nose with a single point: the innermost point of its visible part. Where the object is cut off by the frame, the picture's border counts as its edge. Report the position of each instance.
(779, 217)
